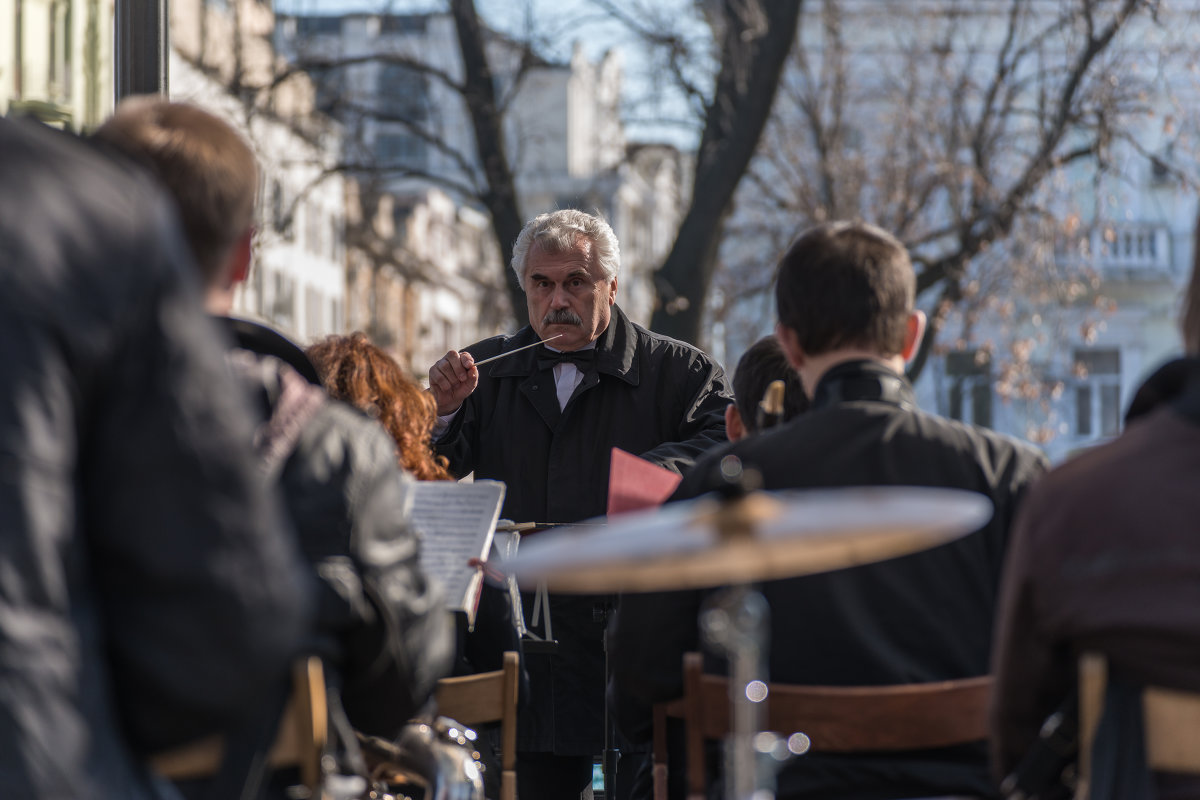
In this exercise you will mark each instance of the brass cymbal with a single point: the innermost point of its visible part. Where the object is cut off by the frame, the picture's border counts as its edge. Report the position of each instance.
(763, 536)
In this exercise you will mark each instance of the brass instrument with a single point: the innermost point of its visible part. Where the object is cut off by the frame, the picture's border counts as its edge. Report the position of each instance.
(434, 760)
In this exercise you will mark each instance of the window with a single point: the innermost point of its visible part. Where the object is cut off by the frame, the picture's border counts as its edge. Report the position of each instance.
(336, 320)
(969, 374)
(314, 230)
(399, 149)
(331, 87)
(314, 307)
(1097, 392)
(403, 23)
(60, 51)
(403, 93)
(314, 26)
(282, 304)
(277, 211)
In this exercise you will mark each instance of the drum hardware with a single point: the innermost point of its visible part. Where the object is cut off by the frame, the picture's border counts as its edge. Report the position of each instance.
(736, 540)
(436, 760)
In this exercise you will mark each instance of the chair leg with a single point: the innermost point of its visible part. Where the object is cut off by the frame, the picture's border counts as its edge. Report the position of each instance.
(659, 774)
(508, 784)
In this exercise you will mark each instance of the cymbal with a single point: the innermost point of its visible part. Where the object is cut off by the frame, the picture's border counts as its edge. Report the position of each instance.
(763, 536)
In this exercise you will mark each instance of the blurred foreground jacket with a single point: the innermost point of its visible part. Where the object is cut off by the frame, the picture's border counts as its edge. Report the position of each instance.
(149, 591)
(381, 626)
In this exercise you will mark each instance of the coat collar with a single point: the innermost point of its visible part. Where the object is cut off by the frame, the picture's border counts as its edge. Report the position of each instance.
(863, 380)
(616, 352)
(1177, 384)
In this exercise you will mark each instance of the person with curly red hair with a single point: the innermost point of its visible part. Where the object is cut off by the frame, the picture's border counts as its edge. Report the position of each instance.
(360, 373)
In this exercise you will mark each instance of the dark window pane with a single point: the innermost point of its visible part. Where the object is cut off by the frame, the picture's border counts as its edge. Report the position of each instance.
(956, 400)
(1110, 409)
(1083, 410)
(981, 403)
(1100, 362)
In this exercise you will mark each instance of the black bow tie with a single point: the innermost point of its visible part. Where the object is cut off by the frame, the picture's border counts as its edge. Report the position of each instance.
(582, 359)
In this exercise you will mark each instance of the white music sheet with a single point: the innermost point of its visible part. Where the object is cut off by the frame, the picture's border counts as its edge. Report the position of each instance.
(457, 522)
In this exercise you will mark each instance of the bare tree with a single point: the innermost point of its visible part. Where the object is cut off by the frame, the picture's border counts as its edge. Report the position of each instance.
(949, 127)
(754, 38)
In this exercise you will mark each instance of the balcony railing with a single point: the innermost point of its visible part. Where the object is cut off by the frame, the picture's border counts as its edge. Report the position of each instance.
(1132, 249)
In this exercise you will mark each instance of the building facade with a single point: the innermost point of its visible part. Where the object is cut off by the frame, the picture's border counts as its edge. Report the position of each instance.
(1056, 320)
(390, 80)
(56, 60)
(225, 63)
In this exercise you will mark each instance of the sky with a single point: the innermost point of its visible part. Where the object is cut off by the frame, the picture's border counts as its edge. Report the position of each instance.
(654, 109)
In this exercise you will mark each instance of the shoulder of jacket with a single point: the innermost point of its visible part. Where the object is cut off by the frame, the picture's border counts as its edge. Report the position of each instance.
(658, 343)
(999, 448)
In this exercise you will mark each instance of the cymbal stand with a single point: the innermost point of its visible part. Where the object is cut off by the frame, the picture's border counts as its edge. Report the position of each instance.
(735, 623)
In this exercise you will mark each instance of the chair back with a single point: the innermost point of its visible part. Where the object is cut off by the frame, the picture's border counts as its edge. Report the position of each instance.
(300, 741)
(488, 697)
(836, 719)
(1171, 723)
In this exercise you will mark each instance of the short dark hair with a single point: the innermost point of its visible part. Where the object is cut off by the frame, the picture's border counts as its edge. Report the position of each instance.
(758, 367)
(846, 284)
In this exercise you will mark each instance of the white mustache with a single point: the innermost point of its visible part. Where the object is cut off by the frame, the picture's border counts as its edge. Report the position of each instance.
(563, 316)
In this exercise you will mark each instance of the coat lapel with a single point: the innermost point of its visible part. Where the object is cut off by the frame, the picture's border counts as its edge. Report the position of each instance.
(538, 385)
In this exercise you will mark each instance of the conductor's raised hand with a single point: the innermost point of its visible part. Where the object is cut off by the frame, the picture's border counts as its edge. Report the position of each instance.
(452, 379)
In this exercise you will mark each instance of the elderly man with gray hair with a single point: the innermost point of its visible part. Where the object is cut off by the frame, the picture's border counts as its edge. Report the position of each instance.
(544, 421)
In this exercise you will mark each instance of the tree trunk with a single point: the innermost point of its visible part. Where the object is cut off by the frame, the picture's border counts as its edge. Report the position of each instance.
(756, 36)
(500, 198)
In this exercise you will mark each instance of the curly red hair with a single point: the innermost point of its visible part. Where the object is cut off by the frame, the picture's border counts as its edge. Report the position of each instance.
(356, 371)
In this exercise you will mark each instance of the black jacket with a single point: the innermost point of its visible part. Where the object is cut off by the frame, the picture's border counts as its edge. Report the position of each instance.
(380, 624)
(647, 394)
(149, 590)
(922, 617)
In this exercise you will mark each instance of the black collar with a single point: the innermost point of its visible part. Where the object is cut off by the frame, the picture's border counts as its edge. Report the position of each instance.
(863, 380)
(616, 352)
(1177, 384)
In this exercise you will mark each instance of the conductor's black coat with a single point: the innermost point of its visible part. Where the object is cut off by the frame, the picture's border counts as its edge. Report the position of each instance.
(650, 395)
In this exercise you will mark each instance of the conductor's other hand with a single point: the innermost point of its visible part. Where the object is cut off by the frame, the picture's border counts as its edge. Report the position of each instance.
(452, 379)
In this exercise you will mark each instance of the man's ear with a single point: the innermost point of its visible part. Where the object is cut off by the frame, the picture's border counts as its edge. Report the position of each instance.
(734, 428)
(612, 293)
(913, 332)
(239, 268)
(790, 344)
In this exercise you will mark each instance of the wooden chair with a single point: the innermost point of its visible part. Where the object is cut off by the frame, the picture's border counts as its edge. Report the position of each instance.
(836, 719)
(300, 741)
(488, 697)
(1171, 718)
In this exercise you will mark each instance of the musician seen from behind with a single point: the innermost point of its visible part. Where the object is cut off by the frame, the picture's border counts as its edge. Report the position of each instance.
(359, 372)
(381, 627)
(150, 588)
(544, 421)
(845, 298)
(763, 364)
(1106, 559)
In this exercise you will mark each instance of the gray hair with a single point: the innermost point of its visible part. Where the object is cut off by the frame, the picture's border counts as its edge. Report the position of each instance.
(558, 231)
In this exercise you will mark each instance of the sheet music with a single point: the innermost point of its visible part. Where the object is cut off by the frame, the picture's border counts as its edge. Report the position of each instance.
(457, 522)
